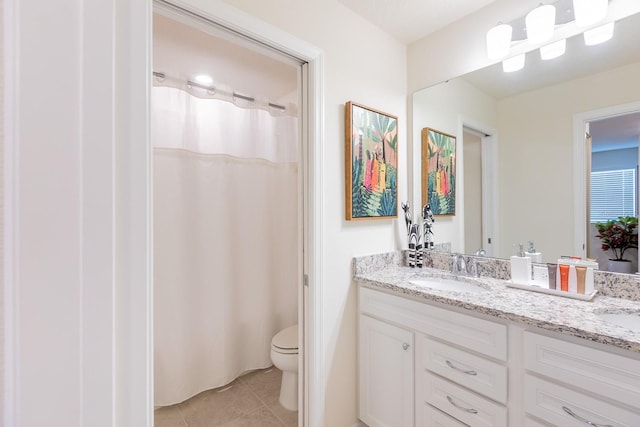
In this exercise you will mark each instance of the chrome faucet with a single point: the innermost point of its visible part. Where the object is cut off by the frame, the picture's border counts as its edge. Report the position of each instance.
(462, 268)
(459, 265)
(473, 268)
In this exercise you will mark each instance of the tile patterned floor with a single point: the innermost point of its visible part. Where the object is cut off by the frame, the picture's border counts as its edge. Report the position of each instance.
(251, 401)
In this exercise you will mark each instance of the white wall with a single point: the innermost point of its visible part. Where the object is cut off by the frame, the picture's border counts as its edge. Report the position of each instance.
(45, 262)
(446, 107)
(364, 65)
(76, 244)
(536, 128)
(82, 241)
(2, 300)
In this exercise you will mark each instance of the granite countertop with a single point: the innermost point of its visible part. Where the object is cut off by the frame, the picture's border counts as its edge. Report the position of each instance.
(554, 313)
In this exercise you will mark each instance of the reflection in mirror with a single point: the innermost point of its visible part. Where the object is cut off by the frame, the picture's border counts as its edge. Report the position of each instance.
(525, 123)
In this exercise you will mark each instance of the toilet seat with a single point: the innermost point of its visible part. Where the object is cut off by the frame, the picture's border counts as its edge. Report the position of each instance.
(286, 341)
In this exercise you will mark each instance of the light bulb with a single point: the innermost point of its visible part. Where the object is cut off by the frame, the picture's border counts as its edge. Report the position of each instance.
(204, 79)
(599, 34)
(499, 41)
(588, 12)
(553, 50)
(513, 64)
(540, 23)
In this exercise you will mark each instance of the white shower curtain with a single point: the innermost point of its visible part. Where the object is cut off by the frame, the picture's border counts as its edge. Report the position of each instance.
(225, 239)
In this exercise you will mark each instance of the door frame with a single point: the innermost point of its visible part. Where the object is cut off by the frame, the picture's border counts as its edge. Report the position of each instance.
(310, 285)
(490, 213)
(580, 198)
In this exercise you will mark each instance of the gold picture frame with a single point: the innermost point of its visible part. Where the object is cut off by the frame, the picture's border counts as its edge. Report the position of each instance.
(371, 163)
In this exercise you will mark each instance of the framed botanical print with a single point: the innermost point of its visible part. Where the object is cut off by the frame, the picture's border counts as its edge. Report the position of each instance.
(371, 161)
(439, 171)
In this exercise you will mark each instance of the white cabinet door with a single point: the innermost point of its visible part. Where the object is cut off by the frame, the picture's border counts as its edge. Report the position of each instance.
(386, 374)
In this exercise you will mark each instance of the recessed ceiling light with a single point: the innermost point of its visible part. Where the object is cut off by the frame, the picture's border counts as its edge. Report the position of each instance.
(204, 79)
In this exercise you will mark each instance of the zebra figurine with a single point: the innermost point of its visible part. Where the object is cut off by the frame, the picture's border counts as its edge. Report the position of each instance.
(414, 236)
(427, 226)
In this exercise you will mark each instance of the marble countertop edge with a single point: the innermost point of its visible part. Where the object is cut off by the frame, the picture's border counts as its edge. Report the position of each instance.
(557, 314)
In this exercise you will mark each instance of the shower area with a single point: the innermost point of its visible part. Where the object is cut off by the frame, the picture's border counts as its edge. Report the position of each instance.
(226, 208)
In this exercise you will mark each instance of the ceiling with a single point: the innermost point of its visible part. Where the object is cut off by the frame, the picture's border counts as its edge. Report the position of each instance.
(615, 133)
(410, 20)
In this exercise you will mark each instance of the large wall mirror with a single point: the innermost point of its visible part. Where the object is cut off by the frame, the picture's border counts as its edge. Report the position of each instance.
(517, 175)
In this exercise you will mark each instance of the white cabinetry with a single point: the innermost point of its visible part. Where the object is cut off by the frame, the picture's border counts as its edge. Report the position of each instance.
(423, 365)
(574, 385)
(458, 365)
(386, 374)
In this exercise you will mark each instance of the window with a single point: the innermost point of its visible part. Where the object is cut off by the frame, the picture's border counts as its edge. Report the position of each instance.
(613, 194)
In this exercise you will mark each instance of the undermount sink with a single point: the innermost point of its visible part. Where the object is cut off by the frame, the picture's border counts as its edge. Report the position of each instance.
(628, 320)
(444, 284)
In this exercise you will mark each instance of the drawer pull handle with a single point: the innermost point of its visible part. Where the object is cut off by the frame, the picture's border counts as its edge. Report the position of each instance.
(405, 346)
(469, 410)
(452, 366)
(583, 420)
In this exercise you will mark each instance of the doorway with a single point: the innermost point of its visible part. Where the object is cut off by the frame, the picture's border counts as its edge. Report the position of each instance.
(612, 162)
(309, 185)
(472, 154)
(582, 130)
(479, 226)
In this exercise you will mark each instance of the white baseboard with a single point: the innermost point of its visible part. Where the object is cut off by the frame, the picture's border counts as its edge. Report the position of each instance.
(359, 424)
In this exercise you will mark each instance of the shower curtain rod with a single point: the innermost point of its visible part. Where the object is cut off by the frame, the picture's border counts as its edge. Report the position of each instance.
(212, 89)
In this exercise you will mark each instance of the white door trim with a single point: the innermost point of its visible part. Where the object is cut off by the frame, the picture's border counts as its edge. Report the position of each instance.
(490, 214)
(579, 168)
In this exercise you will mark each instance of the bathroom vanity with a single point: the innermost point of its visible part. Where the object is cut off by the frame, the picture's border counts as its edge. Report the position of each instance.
(432, 355)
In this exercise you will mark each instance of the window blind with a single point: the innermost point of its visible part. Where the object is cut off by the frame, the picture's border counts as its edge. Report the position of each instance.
(613, 194)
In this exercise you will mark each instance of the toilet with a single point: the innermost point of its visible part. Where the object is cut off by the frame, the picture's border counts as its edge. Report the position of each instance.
(284, 355)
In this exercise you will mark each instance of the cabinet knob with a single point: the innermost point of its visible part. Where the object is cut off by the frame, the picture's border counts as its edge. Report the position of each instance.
(405, 346)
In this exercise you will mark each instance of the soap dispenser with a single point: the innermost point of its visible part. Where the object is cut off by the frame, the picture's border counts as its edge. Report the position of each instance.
(520, 267)
(533, 254)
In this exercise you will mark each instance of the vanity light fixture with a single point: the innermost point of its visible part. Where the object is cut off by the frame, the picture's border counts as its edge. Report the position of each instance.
(514, 63)
(499, 41)
(540, 27)
(540, 23)
(589, 12)
(204, 79)
(553, 50)
(599, 34)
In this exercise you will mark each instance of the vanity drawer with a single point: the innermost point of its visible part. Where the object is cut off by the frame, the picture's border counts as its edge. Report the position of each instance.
(428, 416)
(530, 422)
(459, 402)
(610, 375)
(483, 336)
(555, 404)
(471, 371)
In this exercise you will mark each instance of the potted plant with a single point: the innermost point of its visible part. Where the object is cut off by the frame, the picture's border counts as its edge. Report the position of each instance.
(618, 235)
